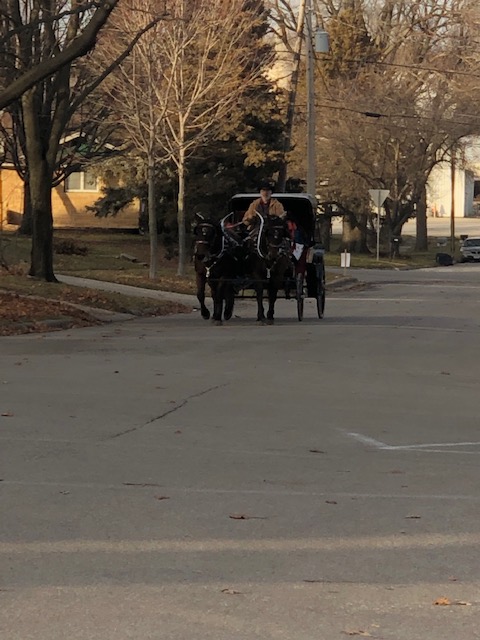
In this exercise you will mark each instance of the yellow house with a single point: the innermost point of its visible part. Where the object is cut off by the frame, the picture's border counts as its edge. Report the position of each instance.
(69, 203)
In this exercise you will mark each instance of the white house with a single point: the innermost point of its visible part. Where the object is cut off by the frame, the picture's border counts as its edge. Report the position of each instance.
(466, 180)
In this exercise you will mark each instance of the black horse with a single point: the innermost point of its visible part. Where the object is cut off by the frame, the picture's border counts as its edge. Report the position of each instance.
(216, 266)
(269, 263)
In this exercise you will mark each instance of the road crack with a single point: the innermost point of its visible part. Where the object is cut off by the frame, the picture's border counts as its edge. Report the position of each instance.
(177, 407)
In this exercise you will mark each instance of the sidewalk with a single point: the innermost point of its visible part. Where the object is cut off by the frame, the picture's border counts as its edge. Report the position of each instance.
(340, 282)
(128, 290)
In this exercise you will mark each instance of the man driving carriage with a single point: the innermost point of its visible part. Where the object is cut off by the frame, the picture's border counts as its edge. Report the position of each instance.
(265, 206)
(261, 208)
(268, 206)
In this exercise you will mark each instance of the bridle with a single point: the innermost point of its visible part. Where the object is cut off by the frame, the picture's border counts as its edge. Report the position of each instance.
(276, 240)
(209, 258)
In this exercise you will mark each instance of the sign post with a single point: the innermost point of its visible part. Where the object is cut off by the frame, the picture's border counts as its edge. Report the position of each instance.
(378, 196)
(345, 261)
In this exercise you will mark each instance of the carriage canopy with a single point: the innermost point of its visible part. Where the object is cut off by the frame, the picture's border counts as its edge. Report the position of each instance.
(300, 207)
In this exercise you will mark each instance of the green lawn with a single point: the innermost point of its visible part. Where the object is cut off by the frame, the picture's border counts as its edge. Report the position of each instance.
(107, 258)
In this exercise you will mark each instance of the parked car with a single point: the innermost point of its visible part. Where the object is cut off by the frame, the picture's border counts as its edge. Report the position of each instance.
(470, 250)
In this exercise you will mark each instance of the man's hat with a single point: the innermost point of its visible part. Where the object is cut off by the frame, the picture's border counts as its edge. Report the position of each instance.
(265, 185)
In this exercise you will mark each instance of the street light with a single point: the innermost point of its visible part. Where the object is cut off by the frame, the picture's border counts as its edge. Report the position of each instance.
(321, 46)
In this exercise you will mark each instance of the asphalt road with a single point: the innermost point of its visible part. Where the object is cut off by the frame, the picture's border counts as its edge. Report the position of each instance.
(166, 479)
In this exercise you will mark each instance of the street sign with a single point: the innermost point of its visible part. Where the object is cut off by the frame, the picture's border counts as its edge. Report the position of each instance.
(378, 196)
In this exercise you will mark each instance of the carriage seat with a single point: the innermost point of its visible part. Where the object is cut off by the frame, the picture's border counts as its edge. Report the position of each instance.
(297, 233)
(315, 254)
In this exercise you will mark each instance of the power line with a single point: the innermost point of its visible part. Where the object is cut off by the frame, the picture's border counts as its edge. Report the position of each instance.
(378, 115)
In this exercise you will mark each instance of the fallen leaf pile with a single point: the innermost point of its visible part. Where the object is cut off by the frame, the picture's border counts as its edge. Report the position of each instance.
(30, 313)
(23, 314)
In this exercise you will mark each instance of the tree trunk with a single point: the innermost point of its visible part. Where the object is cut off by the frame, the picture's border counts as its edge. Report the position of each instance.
(40, 174)
(323, 230)
(26, 228)
(152, 221)
(362, 245)
(354, 234)
(181, 214)
(349, 234)
(42, 222)
(421, 243)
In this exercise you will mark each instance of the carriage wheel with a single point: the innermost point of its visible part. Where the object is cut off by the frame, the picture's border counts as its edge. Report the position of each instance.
(300, 296)
(320, 291)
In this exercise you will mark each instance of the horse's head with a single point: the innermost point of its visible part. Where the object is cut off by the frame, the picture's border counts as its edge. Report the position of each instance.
(275, 237)
(208, 238)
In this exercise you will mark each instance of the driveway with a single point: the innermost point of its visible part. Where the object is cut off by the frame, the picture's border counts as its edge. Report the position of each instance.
(167, 479)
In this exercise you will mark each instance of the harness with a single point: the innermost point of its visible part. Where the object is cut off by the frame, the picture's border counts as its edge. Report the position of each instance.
(213, 257)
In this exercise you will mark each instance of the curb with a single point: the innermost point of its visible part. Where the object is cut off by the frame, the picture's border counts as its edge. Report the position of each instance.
(45, 325)
(102, 315)
(342, 283)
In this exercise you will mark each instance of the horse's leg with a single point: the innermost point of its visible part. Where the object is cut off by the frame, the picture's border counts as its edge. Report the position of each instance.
(201, 283)
(260, 308)
(229, 296)
(272, 298)
(217, 304)
(260, 275)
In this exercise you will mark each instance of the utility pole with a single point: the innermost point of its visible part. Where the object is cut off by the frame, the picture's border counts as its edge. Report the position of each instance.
(452, 206)
(311, 159)
(292, 96)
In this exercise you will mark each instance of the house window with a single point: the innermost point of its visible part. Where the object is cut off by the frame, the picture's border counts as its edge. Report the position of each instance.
(81, 181)
(476, 189)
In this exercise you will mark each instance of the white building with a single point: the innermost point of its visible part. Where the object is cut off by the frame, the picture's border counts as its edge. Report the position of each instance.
(467, 186)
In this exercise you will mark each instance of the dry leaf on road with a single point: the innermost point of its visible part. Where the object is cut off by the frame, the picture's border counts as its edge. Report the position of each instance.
(7, 414)
(231, 592)
(445, 602)
(244, 516)
(358, 632)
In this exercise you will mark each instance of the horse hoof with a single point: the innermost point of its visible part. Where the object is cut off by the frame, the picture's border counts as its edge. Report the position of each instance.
(262, 322)
(270, 321)
(206, 314)
(217, 323)
(227, 316)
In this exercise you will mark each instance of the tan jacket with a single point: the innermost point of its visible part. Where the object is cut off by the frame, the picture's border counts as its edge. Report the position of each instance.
(275, 209)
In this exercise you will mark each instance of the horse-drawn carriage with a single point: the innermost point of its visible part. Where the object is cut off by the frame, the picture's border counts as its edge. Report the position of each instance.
(277, 255)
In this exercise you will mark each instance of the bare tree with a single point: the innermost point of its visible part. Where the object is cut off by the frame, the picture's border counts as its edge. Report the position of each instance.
(19, 22)
(200, 64)
(138, 94)
(51, 104)
(394, 98)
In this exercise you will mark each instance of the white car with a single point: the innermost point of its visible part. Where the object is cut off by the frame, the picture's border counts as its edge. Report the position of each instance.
(470, 250)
